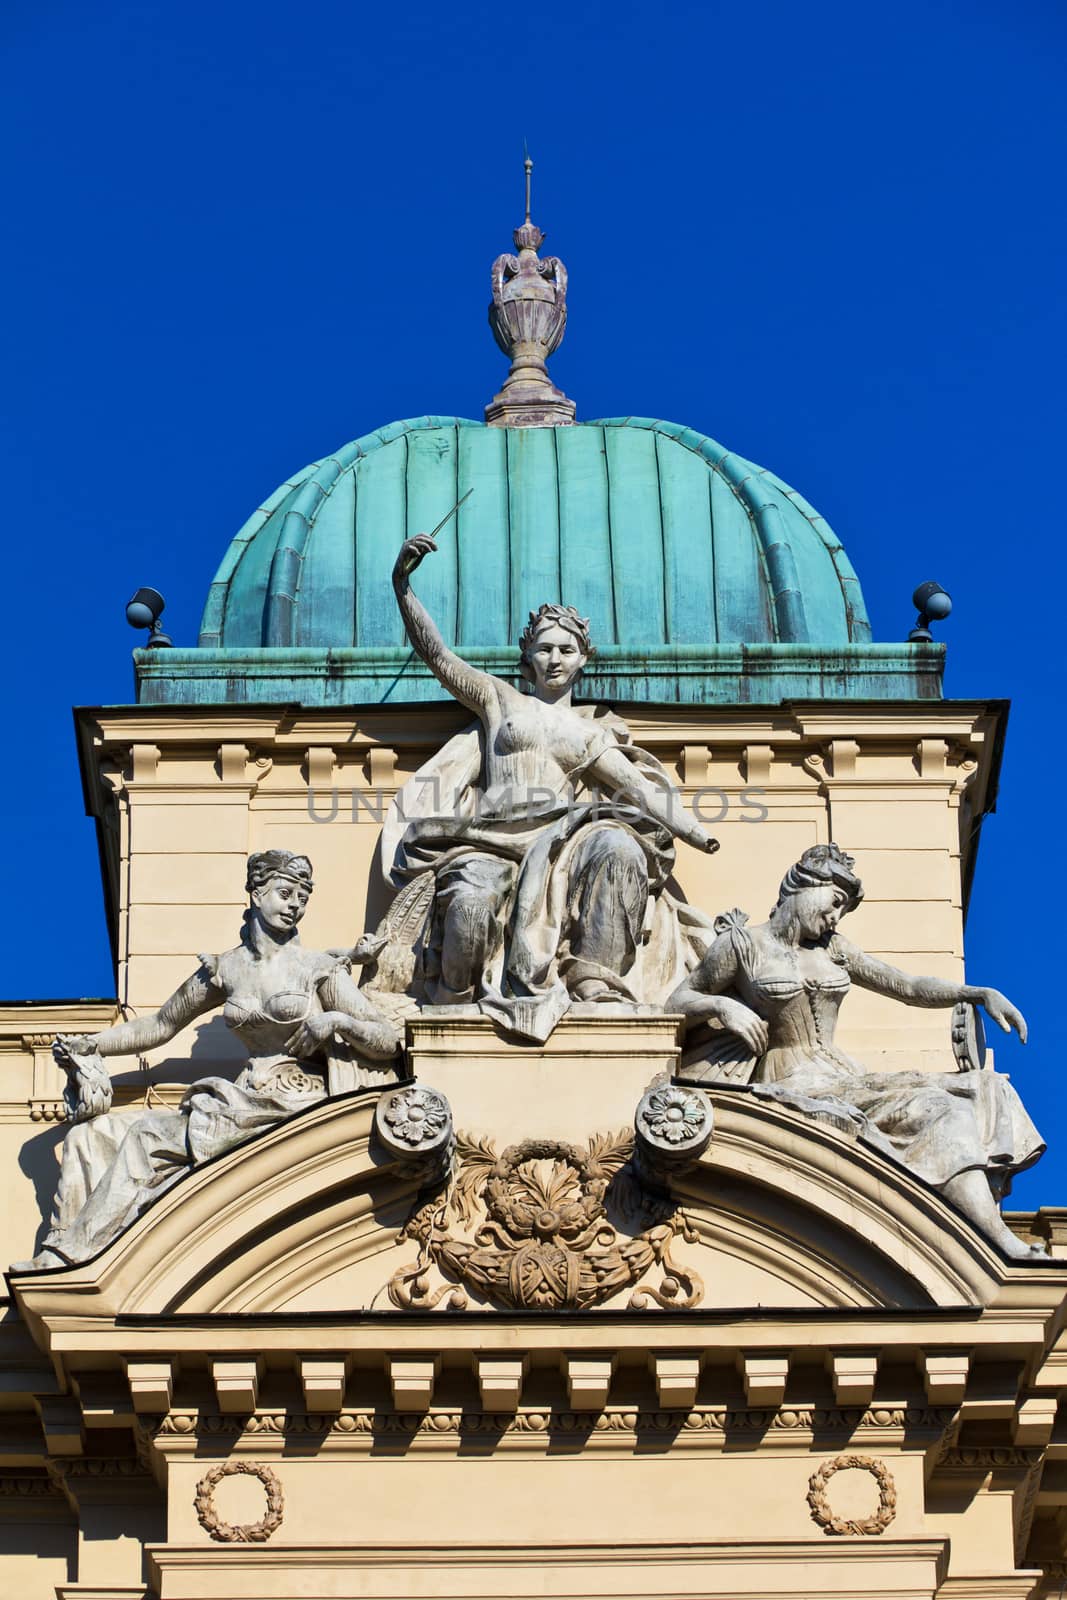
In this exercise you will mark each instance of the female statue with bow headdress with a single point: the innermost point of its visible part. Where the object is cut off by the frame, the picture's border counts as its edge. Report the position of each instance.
(762, 1007)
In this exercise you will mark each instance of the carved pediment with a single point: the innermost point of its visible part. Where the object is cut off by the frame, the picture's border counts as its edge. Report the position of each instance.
(316, 1217)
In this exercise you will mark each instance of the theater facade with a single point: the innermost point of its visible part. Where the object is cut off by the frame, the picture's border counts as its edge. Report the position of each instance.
(544, 1142)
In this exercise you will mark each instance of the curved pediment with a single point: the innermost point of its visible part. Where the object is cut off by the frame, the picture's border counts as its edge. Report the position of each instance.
(831, 1215)
(778, 1213)
(292, 1202)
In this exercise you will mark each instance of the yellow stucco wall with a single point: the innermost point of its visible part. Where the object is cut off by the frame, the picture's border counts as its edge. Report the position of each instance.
(637, 1455)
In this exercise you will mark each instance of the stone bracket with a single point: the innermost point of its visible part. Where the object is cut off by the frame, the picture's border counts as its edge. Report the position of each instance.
(588, 1380)
(236, 1385)
(500, 1381)
(677, 1377)
(61, 1423)
(105, 1400)
(323, 1383)
(1035, 1419)
(765, 1377)
(151, 1386)
(853, 1376)
(945, 1376)
(412, 1382)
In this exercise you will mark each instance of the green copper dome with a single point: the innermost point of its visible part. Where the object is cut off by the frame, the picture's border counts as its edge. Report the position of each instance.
(656, 533)
(705, 579)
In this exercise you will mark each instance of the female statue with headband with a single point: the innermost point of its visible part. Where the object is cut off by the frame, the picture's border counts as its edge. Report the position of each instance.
(773, 993)
(309, 1032)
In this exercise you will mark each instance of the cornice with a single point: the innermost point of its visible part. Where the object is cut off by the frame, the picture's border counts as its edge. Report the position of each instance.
(361, 725)
(495, 1553)
(701, 1427)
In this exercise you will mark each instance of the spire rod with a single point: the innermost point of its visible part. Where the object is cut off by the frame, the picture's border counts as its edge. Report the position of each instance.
(528, 315)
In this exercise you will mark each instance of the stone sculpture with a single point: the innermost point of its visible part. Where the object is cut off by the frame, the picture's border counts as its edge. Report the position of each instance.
(673, 1125)
(309, 1032)
(528, 316)
(546, 1226)
(763, 1005)
(549, 837)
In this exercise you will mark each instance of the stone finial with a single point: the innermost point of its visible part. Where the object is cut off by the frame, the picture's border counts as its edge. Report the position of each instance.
(528, 316)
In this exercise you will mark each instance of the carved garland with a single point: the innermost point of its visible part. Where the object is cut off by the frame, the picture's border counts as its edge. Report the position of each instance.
(845, 1526)
(528, 1229)
(240, 1532)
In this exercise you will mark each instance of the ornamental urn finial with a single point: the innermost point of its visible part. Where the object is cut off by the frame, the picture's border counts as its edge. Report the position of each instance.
(528, 316)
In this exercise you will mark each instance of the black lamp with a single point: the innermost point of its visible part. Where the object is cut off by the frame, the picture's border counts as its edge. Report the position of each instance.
(144, 611)
(933, 604)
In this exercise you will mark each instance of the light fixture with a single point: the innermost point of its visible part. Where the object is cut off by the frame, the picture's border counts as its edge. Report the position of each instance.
(933, 604)
(144, 610)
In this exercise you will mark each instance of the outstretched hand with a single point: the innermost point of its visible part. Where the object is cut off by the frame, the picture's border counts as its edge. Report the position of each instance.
(412, 552)
(1001, 1011)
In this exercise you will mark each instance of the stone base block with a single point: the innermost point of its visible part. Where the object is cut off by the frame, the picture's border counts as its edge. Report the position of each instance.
(587, 1076)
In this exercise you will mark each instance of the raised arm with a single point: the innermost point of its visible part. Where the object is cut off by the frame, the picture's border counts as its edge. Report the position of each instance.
(870, 973)
(196, 995)
(472, 688)
(700, 996)
(614, 770)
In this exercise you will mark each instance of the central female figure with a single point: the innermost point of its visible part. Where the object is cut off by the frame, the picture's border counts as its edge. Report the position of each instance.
(549, 834)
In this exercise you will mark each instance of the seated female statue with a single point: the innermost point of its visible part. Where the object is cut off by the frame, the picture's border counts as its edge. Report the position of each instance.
(308, 1030)
(549, 836)
(777, 990)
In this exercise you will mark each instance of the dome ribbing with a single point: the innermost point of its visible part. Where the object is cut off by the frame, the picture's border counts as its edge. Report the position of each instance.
(657, 534)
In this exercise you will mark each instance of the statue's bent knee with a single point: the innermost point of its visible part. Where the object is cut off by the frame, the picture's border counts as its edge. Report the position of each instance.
(472, 901)
(470, 936)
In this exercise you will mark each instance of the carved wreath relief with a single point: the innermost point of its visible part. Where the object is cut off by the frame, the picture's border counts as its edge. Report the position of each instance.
(545, 1226)
(847, 1527)
(239, 1532)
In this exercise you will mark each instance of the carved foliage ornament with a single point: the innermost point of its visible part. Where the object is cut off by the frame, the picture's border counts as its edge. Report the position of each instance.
(530, 1229)
(239, 1532)
(718, 1422)
(845, 1526)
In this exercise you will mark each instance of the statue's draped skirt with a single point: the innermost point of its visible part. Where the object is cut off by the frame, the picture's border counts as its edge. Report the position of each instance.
(115, 1165)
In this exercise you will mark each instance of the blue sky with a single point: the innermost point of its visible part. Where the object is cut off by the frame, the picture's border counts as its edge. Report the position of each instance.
(830, 235)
